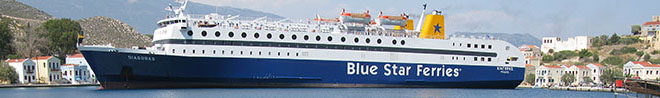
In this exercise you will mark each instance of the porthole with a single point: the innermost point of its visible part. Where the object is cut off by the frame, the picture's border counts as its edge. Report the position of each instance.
(223, 51)
(281, 36)
(204, 33)
(394, 42)
(379, 41)
(259, 52)
(490, 46)
(475, 58)
(243, 34)
(288, 54)
(483, 46)
(269, 35)
(250, 52)
(231, 52)
(190, 33)
(203, 51)
(367, 40)
(318, 38)
(343, 39)
(278, 53)
(217, 34)
(241, 52)
(469, 45)
(329, 38)
(294, 37)
(193, 51)
(356, 40)
(213, 51)
(231, 34)
(184, 50)
(489, 59)
(403, 42)
(173, 50)
(256, 35)
(306, 37)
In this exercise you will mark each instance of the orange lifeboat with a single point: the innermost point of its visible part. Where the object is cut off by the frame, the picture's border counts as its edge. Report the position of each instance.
(363, 18)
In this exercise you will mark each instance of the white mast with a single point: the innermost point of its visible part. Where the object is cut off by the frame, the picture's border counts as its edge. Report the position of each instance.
(421, 19)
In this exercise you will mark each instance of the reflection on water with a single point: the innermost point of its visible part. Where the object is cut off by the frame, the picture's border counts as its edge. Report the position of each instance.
(92, 92)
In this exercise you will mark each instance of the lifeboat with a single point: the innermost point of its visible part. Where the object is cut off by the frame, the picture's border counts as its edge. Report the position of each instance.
(327, 20)
(363, 18)
(392, 20)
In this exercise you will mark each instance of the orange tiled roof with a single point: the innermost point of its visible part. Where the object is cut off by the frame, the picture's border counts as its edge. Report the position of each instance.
(70, 65)
(597, 65)
(76, 56)
(41, 57)
(530, 46)
(646, 64)
(582, 67)
(651, 23)
(15, 60)
(552, 66)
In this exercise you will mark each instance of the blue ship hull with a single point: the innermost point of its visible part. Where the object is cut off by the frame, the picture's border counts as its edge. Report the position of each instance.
(129, 70)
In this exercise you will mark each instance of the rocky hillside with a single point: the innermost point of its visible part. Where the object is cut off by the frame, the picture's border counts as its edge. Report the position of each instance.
(20, 10)
(103, 30)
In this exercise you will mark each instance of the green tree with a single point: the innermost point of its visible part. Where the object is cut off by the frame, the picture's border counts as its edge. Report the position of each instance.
(614, 39)
(6, 37)
(561, 55)
(7, 73)
(613, 60)
(568, 79)
(548, 58)
(635, 29)
(610, 75)
(655, 52)
(62, 34)
(149, 35)
(551, 51)
(585, 53)
(596, 57)
(639, 53)
(647, 57)
(531, 79)
(587, 80)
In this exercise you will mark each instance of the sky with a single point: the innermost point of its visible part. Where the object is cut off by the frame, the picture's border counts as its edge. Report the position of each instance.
(541, 18)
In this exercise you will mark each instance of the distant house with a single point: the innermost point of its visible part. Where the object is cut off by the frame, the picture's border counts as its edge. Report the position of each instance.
(579, 71)
(556, 44)
(48, 69)
(79, 59)
(548, 75)
(25, 68)
(643, 70)
(650, 32)
(532, 54)
(75, 73)
(596, 71)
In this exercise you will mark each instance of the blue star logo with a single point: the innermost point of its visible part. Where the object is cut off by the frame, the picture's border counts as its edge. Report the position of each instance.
(437, 28)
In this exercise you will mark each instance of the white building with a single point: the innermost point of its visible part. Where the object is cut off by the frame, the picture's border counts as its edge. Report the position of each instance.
(556, 44)
(596, 71)
(25, 68)
(48, 69)
(80, 61)
(548, 75)
(75, 73)
(579, 71)
(643, 70)
(532, 54)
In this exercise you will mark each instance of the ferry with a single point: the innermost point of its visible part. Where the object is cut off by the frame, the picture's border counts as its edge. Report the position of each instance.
(353, 50)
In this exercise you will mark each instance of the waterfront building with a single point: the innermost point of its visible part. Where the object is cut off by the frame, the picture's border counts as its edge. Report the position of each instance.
(48, 69)
(649, 31)
(75, 74)
(556, 44)
(579, 71)
(79, 59)
(25, 68)
(532, 54)
(643, 70)
(596, 71)
(548, 75)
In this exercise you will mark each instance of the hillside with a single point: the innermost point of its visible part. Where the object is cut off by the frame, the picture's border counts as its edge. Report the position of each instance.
(103, 30)
(20, 10)
(515, 39)
(141, 14)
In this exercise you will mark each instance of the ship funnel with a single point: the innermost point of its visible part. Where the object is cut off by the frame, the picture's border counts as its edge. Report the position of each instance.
(434, 26)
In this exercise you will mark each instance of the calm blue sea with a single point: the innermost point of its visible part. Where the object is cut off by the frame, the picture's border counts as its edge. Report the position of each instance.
(92, 92)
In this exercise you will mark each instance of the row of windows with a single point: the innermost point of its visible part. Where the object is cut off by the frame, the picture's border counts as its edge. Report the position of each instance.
(28, 78)
(483, 46)
(325, 46)
(231, 52)
(295, 37)
(475, 59)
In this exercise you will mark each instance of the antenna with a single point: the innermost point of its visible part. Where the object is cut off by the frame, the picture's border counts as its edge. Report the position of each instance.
(421, 19)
